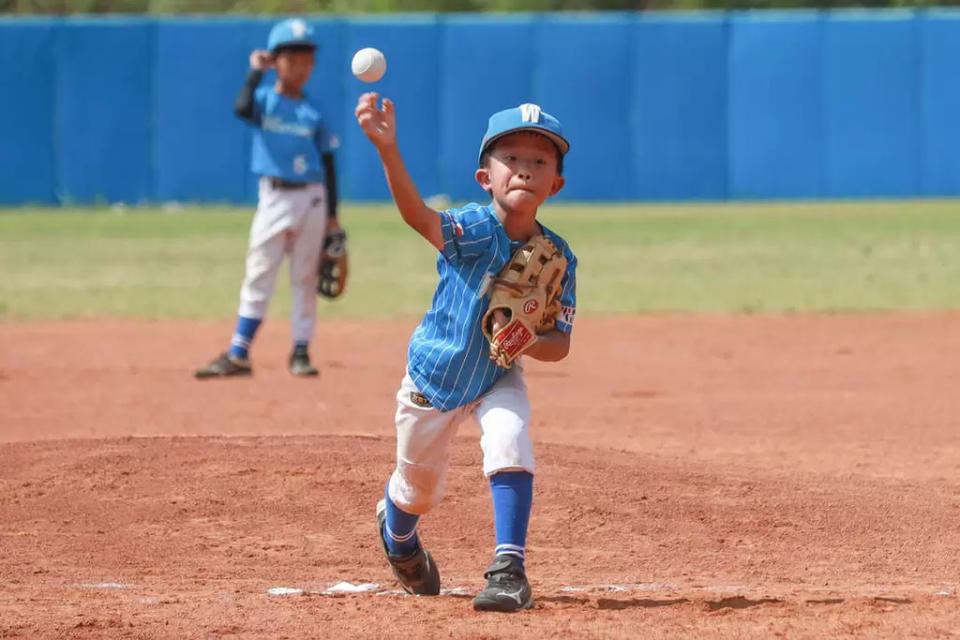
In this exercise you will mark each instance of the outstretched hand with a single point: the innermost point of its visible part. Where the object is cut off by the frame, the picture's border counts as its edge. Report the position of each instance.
(380, 124)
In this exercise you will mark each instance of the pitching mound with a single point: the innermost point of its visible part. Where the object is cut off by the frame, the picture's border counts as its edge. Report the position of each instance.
(698, 476)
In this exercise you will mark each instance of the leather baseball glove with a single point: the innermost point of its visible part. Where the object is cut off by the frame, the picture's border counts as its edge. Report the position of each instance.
(527, 291)
(333, 264)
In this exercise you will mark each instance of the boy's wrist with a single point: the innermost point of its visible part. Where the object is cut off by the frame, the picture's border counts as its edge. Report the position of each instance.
(388, 148)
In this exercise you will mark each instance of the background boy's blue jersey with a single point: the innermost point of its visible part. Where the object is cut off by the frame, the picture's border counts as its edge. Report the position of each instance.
(449, 357)
(289, 138)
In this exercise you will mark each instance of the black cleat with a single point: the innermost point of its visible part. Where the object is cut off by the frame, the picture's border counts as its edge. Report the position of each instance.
(225, 366)
(416, 572)
(300, 363)
(507, 587)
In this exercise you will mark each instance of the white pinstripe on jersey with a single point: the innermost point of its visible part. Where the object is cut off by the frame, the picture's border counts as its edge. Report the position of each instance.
(448, 358)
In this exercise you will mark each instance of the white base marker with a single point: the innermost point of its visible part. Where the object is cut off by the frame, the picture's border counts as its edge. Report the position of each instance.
(349, 587)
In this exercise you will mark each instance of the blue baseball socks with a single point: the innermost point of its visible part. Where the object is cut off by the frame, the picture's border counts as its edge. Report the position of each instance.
(401, 530)
(243, 336)
(512, 493)
(512, 499)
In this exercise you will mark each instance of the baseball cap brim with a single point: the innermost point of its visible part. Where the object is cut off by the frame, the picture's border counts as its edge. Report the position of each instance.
(561, 143)
(291, 44)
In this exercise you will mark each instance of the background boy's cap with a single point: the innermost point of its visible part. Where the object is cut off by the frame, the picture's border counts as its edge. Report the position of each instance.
(526, 117)
(291, 33)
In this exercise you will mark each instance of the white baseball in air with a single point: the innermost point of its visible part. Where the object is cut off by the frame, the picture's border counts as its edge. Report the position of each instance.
(369, 64)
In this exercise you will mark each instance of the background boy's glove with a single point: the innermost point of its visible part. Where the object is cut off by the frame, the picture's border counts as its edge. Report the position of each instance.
(527, 291)
(333, 264)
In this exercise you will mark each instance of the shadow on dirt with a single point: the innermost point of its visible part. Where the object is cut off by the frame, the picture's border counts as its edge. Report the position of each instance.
(610, 604)
(564, 600)
(893, 600)
(739, 602)
(637, 603)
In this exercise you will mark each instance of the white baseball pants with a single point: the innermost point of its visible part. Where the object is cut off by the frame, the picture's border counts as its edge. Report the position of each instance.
(424, 435)
(287, 221)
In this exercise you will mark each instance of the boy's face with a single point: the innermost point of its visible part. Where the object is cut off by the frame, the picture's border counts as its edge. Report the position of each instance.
(294, 67)
(521, 171)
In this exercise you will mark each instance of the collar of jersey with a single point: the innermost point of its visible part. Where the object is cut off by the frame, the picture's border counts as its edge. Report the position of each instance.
(515, 243)
(303, 95)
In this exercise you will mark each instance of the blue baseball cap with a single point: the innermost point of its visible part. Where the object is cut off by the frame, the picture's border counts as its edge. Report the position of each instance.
(291, 33)
(526, 117)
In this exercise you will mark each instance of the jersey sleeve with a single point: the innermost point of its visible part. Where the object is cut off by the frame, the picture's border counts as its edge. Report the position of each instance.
(259, 105)
(467, 234)
(568, 295)
(243, 105)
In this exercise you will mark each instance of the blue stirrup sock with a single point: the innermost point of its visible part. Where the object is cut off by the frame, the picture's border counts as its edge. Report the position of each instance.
(512, 493)
(400, 530)
(243, 336)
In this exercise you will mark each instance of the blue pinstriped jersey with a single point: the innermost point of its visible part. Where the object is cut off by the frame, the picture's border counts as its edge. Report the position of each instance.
(448, 358)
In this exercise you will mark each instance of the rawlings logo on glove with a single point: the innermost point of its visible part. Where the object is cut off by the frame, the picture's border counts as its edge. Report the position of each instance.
(333, 264)
(526, 294)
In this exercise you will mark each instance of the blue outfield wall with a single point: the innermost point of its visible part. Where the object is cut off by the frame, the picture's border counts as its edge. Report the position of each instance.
(871, 105)
(685, 106)
(198, 85)
(677, 122)
(104, 111)
(28, 155)
(775, 119)
(412, 49)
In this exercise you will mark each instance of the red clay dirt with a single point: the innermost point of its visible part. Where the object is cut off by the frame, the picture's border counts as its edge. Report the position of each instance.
(699, 476)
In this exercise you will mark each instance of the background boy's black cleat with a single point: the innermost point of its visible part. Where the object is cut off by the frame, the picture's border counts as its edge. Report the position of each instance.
(416, 572)
(507, 587)
(225, 366)
(300, 363)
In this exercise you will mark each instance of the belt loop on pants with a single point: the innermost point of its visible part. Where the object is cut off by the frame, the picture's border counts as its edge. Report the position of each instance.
(280, 183)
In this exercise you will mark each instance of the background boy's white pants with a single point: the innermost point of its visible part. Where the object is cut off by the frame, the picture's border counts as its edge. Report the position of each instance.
(287, 221)
(424, 435)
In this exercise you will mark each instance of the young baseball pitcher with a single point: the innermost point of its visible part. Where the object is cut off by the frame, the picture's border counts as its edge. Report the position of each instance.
(297, 208)
(507, 287)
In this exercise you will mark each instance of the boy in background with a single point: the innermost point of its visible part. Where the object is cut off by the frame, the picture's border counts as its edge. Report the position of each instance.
(297, 205)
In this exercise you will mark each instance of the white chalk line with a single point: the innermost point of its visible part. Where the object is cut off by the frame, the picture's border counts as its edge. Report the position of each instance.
(338, 588)
(344, 587)
(643, 587)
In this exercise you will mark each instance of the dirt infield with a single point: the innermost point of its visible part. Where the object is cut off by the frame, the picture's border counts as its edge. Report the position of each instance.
(775, 476)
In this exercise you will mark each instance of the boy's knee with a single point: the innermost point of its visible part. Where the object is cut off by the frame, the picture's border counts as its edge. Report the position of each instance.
(415, 488)
(507, 447)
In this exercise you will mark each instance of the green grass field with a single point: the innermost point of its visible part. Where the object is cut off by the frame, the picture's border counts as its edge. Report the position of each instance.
(863, 256)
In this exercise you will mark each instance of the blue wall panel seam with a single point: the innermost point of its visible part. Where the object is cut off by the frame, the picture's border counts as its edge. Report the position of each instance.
(633, 189)
(821, 107)
(727, 34)
(152, 142)
(921, 130)
(58, 192)
(439, 34)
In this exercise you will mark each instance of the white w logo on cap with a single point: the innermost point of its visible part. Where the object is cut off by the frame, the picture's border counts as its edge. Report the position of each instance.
(530, 112)
(299, 28)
